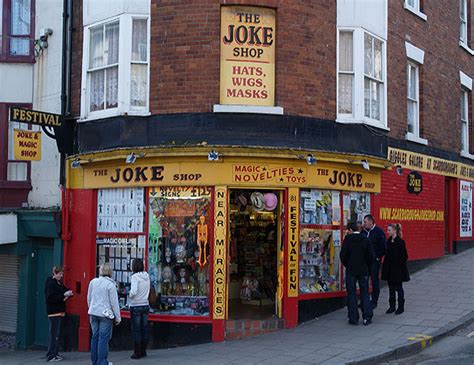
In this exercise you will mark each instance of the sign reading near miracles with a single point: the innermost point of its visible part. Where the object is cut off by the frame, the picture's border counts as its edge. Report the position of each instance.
(247, 56)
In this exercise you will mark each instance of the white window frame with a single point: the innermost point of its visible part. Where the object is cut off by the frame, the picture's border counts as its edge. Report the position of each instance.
(415, 9)
(464, 27)
(352, 73)
(358, 114)
(415, 59)
(465, 137)
(124, 70)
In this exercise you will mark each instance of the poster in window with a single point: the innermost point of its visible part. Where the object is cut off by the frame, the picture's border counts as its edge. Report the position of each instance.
(465, 209)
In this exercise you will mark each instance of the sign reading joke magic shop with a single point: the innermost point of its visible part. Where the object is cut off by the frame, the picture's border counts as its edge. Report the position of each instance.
(247, 56)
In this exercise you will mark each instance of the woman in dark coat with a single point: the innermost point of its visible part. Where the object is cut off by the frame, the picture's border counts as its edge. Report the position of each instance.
(394, 268)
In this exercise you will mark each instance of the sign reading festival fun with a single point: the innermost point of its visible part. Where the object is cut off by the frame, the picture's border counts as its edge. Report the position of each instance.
(247, 56)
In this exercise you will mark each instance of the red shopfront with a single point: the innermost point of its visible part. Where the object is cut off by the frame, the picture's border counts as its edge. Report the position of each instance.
(226, 260)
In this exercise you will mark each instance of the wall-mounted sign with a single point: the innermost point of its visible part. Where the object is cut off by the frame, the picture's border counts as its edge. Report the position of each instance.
(433, 165)
(293, 239)
(35, 117)
(247, 56)
(414, 182)
(27, 145)
(465, 209)
(171, 192)
(410, 214)
(299, 174)
(220, 237)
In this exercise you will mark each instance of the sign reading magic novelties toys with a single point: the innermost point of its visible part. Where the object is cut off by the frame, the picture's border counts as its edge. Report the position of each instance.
(247, 56)
(465, 209)
(414, 182)
(220, 235)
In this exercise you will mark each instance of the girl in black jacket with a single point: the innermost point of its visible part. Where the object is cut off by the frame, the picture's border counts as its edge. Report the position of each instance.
(394, 268)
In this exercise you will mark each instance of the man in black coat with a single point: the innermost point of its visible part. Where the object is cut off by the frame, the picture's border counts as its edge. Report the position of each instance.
(357, 256)
(377, 238)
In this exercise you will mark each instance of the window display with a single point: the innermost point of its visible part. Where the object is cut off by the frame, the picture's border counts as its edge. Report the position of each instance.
(319, 260)
(320, 207)
(178, 250)
(356, 207)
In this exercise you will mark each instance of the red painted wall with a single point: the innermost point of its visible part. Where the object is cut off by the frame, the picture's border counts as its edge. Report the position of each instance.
(424, 239)
(80, 260)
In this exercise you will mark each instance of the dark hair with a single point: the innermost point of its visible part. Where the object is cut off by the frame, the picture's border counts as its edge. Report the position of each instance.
(370, 218)
(137, 265)
(352, 226)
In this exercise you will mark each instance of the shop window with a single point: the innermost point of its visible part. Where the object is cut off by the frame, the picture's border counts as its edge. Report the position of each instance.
(361, 65)
(120, 233)
(16, 30)
(115, 77)
(179, 250)
(322, 230)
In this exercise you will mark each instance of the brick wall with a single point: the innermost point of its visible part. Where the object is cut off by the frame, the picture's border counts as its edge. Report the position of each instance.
(425, 239)
(76, 65)
(185, 56)
(440, 85)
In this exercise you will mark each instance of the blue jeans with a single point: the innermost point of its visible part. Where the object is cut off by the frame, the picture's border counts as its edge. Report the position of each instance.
(375, 279)
(53, 336)
(139, 319)
(101, 335)
(353, 311)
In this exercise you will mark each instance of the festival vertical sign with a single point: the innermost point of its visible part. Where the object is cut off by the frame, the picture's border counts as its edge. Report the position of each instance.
(220, 251)
(247, 56)
(293, 239)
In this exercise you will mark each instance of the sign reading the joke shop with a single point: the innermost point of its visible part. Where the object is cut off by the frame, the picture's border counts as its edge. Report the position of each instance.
(27, 145)
(247, 56)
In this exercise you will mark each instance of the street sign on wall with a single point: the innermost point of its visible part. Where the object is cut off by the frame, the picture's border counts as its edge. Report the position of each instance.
(27, 145)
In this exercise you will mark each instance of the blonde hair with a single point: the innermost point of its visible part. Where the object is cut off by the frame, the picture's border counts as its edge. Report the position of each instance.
(57, 269)
(105, 270)
(397, 227)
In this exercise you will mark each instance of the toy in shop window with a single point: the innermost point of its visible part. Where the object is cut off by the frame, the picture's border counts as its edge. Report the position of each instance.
(202, 241)
(167, 281)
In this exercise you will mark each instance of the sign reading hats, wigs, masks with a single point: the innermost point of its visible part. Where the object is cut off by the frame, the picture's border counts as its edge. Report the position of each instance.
(247, 56)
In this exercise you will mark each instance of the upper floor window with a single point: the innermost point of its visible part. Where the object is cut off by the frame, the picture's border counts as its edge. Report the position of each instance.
(463, 21)
(116, 63)
(414, 6)
(361, 66)
(465, 121)
(16, 30)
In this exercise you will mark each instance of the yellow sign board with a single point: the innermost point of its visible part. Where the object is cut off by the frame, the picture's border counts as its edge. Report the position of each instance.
(27, 145)
(293, 241)
(220, 252)
(434, 165)
(325, 175)
(178, 192)
(247, 56)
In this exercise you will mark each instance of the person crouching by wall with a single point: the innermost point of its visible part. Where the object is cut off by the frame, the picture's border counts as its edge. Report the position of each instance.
(394, 268)
(139, 307)
(104, 310)
(56, 295)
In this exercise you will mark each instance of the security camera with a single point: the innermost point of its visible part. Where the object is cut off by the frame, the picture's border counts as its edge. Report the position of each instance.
(399, 170)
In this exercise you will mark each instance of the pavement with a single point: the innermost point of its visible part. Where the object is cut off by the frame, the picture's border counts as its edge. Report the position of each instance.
(439, 301)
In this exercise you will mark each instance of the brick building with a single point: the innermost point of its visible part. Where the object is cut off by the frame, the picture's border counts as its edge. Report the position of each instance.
(268, 125)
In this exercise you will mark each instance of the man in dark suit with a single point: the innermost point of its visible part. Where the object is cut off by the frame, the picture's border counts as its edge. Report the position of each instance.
(377, 238)
(357, 256)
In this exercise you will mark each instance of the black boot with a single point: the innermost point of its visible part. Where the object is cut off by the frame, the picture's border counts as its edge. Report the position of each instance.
(391, 302)
(401, 307)
(136, 351)
(143, 349)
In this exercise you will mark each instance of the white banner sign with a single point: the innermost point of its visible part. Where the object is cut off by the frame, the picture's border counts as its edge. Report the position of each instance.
(465, 209)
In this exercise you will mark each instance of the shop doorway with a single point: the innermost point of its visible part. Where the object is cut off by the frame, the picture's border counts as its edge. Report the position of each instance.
(255, 254)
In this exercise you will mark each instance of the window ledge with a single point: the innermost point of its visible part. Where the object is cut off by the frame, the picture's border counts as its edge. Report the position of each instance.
(219, 108)
(365, 121)
(414, 138)
(416, 12)
(466, 48)
(467, 155)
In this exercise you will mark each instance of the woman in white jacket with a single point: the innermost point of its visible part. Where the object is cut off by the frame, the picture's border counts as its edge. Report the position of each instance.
(104, 310)
(139, 307)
